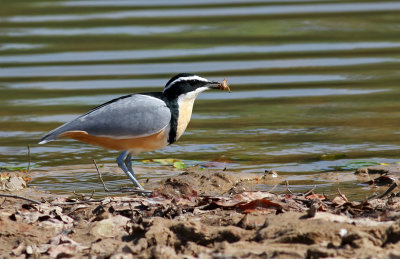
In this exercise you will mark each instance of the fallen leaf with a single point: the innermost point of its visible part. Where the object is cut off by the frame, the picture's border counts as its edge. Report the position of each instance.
(4, 176)
(43, 248)
(27, 179)
(104, 228)
(338, 201)
(316, 196)
(165, 161)
(63, 250)
(62, 239)
(179, 165)
(259, 205)
(243, 197)
(110, 227)
(19, 249)
(29, 249)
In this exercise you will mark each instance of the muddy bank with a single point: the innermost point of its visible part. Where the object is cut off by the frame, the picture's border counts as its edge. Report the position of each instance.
(202, 214)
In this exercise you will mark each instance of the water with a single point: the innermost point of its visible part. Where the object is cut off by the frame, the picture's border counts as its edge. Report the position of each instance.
(315, 85)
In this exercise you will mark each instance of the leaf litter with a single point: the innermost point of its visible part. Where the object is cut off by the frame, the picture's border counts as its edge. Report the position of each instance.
(204, 214)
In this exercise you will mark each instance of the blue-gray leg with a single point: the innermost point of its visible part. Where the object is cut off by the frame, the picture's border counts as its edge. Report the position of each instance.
(125, 163)
(128, 163)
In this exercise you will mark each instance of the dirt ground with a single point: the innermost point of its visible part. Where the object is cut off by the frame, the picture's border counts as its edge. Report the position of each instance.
(201, 215)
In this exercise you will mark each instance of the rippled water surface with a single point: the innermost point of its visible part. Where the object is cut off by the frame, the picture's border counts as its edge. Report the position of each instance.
(315, 84)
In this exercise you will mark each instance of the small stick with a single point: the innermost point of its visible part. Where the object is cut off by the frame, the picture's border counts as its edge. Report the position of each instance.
(284, 189)
(307, 202)
(19, 197)
(376, 196)
(373, 196)
(120, 190)
(391, 188)
(91, 196)
(76, 202)
(80, 195)
(273, 188)
(287, 188)
(128, 189)
(310, 191)
(29, 159)
(132, 211)
(1, 205)
(83, 196)
(287, 184)
(342, 195)
(101, 179)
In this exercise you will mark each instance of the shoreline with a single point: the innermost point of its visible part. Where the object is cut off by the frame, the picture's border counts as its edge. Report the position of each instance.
(201, 214)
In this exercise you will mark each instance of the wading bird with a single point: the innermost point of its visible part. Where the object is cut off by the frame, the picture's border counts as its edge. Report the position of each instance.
(140, 122)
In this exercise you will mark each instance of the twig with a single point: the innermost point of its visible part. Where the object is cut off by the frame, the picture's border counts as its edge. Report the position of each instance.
(121, 189)
(1, 205)
(132, 211)
(91, 195)
(76, 202)
(273, 188)
(389, 190)
(310, 191)
(287, 188)
(128, 189)
(101, 179)
(342, 195)
(284, 189)
(307, 202)
(81, 195)
(373, 196)
(19, 197)
(29, 159)
(376, 196)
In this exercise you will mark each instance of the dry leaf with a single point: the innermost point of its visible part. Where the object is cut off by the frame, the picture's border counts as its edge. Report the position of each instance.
(259, 205)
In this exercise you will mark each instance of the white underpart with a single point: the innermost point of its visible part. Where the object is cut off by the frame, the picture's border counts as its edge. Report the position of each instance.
(185, 104)
(187, 78)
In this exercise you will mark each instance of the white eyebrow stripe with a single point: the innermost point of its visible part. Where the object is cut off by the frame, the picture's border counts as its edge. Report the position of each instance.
(187, 78)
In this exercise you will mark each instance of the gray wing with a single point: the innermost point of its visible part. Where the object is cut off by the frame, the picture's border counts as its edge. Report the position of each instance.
(129, 116)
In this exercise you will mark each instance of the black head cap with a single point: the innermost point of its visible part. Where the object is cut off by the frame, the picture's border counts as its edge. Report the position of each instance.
(178, 76)
(184, 83)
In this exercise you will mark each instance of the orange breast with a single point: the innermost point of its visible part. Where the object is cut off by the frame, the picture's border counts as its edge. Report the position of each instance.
(136, 145)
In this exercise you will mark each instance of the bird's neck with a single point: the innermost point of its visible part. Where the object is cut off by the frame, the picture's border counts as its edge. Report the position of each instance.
(181, 112)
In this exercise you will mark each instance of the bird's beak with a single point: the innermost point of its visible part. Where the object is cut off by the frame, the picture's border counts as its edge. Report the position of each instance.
(217, 85)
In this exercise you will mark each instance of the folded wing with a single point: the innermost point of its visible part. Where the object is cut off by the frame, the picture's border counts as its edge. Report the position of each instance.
(129, 116)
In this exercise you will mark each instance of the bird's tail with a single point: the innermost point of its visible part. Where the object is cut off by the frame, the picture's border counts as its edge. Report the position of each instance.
(52, 135)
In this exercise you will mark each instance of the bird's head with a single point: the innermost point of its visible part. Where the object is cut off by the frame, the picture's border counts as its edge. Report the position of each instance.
(185, 84)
